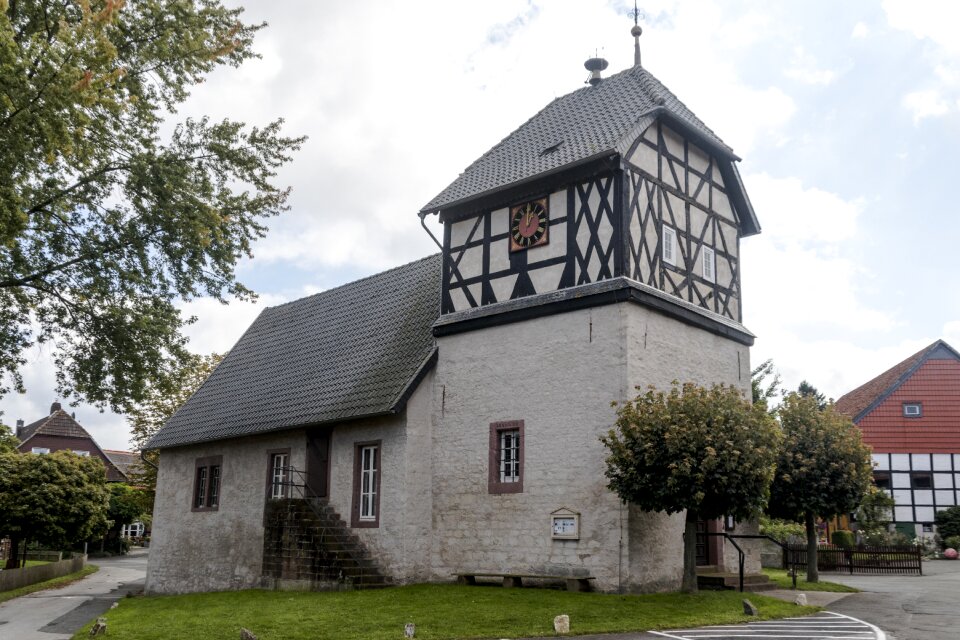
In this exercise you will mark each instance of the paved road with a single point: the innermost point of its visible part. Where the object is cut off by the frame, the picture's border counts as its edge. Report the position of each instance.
(923, 607)
(58, 613)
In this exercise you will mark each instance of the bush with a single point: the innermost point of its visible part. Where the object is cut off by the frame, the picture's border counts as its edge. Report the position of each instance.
(843, 538)
(948, 522)
(782, 530)
(952, 542)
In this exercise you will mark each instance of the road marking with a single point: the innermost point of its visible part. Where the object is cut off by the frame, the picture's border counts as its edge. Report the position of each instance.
(823, 626)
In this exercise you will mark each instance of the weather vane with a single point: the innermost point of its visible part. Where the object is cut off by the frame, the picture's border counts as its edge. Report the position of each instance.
(635, 32)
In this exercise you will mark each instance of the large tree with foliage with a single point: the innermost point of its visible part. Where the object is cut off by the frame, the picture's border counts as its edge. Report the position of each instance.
(56, 499)
(709, 452)
(874, 514)
(105, 222)
(759, 377)
(8, 441)
(823, 469)
(161, 402)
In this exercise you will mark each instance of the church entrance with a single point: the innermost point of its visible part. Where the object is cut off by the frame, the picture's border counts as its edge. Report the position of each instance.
(703, 552)
(318, 462)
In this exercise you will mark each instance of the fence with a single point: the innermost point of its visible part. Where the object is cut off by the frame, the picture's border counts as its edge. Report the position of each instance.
(16, 578)
(859, 560)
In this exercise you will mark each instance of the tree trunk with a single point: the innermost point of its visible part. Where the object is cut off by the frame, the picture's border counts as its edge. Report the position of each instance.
(812, 574)
(13, 562)
(689, 584)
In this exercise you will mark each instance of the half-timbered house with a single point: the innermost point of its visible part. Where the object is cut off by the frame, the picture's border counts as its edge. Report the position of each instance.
(444, 417)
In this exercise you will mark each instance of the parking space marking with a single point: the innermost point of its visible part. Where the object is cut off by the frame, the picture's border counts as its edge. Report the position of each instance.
(822, 626)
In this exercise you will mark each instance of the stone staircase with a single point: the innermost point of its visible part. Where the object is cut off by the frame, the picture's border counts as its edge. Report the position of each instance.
(711, 577)
(307, 546)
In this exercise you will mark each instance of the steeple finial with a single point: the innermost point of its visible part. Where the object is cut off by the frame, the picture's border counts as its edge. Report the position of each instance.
(635, 32)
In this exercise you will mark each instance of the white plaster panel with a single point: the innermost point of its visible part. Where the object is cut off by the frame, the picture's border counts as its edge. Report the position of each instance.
(500, 221)
(500, 255)
(667, 174)
(903, 514)
(650, 133)
(945, 498)
(460, 231)
(924, 514)
(678, 207)
(943, 481)
(721, 204)
(921, 461)
(214, 550)
(729, 233)
(476, 290)
(902, 497)
(900, 461)
(924, 496)
(593, 201)
(503, 287)
(471, 264)
(698, 219)
(703, 194)
(673, 141)
(555, 247)
(605, 231)
(900, 480)
(594, 263)
(941, 462)
(645, 158)
(459, 299)
(546, 279)
(956, 461)
(697, 159)
(881, 462)
(724, 272)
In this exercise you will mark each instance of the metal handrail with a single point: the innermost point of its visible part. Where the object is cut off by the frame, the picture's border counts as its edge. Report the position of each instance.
(744, 536)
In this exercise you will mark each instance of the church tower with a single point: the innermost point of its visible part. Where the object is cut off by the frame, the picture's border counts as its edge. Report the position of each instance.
(596, 249)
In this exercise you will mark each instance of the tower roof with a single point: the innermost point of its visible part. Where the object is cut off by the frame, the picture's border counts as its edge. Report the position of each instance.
(581, 126)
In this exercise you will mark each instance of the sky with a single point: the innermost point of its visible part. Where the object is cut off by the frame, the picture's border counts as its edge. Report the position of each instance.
(846, 115)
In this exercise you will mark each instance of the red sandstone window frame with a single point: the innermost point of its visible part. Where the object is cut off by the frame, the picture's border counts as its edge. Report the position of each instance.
(366, 522)
(495, 485)
(207, 483)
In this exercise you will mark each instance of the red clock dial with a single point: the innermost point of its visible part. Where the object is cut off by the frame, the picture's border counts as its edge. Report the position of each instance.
(529, 223)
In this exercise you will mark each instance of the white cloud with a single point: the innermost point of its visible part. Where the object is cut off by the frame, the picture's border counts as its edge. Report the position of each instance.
(219, 326)
(933, 20)
(804, 68)
(925, 104)
(860, 30)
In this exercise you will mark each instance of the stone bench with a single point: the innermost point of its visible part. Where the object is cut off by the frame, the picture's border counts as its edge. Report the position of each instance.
(574, 583)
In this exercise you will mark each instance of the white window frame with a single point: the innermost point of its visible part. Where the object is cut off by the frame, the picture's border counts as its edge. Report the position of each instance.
(912, 409)
(509, 458)
(82, 453)
(368, 482)
(669, 250)
(279, 463)
(40, 451)
(709, 264)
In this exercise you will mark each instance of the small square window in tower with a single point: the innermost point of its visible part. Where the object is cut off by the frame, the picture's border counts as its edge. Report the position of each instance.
(670, 245)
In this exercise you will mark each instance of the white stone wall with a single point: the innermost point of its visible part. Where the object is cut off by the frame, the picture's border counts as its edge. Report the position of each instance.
(213, 550)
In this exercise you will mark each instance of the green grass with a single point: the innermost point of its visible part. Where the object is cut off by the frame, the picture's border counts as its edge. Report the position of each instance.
(55, 583)
(439, 611)
(786, 582)
(34, 563)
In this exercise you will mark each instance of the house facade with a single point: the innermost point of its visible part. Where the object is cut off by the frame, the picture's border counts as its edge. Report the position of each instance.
(910, 415)
(445, 416)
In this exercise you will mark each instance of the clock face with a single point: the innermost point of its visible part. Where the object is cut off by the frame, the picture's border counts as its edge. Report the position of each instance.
(529, 223)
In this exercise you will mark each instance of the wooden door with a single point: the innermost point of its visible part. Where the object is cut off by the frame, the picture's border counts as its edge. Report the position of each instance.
(318, 462)
(703, 553)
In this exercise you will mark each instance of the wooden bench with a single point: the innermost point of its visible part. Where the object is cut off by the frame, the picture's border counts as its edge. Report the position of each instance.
(574, 583)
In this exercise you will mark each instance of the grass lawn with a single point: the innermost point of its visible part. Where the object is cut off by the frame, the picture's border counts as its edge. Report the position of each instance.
(439, 611)
(34, 563)
(786, 582)
(62, 581)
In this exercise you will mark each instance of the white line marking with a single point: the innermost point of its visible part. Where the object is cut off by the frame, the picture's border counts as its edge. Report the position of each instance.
(880, 634)
(667, 635)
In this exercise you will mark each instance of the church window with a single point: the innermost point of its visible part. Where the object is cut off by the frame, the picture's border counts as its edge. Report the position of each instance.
(206, 484)
(279, 473)
(669, 245)
(506, 457)
(709, 264)
(366, 485)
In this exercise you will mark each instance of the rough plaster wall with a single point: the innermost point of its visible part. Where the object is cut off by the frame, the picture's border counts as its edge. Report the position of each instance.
(751, 549)
(402, 541)
(558, 374)
(661, 350)
(213, 550)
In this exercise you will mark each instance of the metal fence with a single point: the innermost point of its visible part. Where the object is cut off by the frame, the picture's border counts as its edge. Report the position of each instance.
(859, 560)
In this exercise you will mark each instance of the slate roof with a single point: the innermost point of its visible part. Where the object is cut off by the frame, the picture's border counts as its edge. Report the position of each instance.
(349, 352)
(855, 403)
(125, 461)
(58, 423)
(587, 123)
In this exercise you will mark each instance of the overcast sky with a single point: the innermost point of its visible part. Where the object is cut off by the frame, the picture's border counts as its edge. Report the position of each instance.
(845, 115)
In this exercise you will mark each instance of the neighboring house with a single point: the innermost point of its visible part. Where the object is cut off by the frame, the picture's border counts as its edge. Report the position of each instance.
(60, 430)
(910, 415)
(451, 408)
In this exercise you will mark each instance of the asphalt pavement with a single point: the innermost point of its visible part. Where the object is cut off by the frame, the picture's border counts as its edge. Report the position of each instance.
(59, 613)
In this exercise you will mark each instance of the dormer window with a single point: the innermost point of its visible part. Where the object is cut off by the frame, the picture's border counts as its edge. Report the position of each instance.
(709, 264)
(912, 409)
(669, 245)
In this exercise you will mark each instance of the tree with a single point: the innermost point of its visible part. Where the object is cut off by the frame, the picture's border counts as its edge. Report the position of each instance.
(948, 522)
(104, 224)
(710, 452)
(823, 468)
(875, 513)
(126, 505)
(807, 390)
(757, 377)
(56, 499)
(161, 402)
(8, 441)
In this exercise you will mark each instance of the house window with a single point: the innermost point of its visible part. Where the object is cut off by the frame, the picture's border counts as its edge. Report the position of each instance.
(921, 481)
(506, 457)
(366, 484)
(82, 454)
(40, 450)
(206, 484)
(882, 480)
(912, 410)
(669, 245)
(709, 264)
(278, 478)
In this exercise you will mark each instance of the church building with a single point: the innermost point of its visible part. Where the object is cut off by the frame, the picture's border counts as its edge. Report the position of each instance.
(444, 417)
